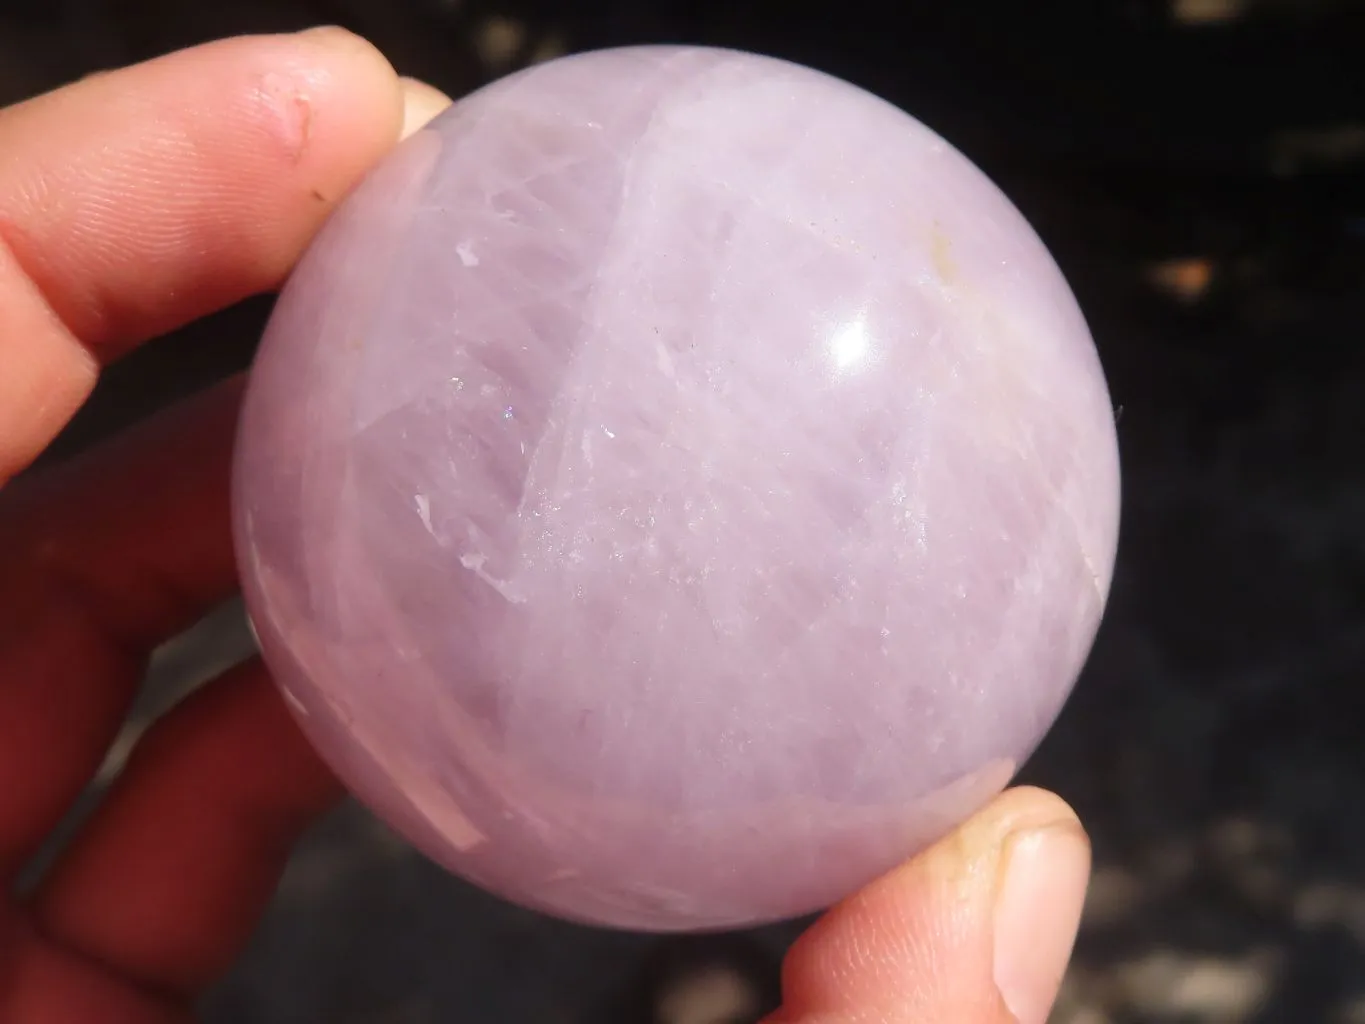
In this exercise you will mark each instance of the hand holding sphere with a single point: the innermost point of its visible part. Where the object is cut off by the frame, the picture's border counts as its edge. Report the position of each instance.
(138, 201)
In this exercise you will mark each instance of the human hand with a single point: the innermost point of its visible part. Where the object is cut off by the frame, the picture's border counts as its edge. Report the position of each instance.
(135, 202)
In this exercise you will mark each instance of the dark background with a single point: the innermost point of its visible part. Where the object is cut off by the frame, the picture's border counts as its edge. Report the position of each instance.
(1198, 168)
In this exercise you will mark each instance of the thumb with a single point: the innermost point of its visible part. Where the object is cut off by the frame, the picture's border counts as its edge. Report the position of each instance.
(978, 929)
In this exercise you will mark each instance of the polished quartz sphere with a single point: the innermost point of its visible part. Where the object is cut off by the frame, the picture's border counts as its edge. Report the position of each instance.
(674, 488)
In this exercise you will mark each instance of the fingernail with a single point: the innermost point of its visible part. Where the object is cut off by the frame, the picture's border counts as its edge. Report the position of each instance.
(421, 103)
(1037, 914)
(322, 32)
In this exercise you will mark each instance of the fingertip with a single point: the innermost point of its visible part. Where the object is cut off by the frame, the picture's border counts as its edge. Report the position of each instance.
(339, 104)
(976, 929)
(145, 197)
(1038, 904)
(1024, 807)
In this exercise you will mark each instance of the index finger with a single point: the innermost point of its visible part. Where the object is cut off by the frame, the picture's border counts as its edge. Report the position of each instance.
(134, 202)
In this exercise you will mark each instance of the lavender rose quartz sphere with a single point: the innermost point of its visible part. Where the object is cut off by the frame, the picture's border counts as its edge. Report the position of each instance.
(674, 488)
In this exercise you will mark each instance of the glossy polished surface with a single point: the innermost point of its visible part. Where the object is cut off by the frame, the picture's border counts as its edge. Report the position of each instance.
(676, 487)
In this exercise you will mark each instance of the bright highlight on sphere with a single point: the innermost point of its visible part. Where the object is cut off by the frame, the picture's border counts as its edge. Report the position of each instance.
(674, 488)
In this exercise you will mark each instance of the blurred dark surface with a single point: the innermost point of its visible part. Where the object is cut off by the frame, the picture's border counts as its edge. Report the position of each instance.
(1198, 168)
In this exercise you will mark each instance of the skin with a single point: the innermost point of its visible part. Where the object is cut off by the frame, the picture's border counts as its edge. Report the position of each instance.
(137, 201)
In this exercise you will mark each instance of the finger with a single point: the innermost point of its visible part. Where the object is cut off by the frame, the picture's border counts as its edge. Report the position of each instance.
(151, 507)
(977, 930)
(133, 202)
(42, 983)
(103, 559)
(168, 878)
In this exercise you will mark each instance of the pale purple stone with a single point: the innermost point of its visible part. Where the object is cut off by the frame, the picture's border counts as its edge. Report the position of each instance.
(675, 488)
